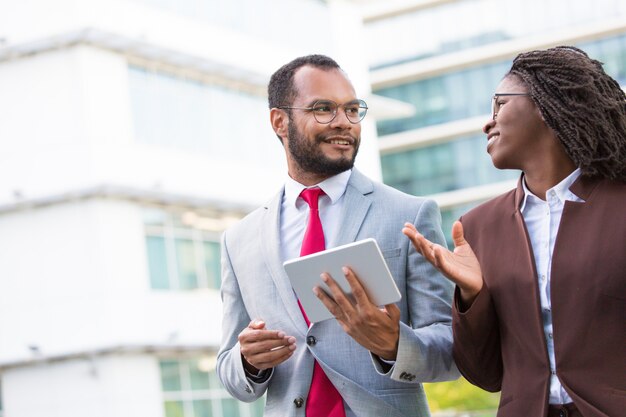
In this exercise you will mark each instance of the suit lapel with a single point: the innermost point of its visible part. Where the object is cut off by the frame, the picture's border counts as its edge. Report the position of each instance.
(270, 247)
(355, 207)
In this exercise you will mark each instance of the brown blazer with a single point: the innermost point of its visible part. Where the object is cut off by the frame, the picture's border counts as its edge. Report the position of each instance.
(499, 343)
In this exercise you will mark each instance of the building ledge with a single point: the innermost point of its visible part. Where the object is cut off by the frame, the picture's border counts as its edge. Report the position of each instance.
(125, 193)
(146, 54)
(500, 51)
(472, 194)
(159, 350)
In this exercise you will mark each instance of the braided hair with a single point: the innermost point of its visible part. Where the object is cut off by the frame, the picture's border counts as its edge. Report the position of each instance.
(584, 106)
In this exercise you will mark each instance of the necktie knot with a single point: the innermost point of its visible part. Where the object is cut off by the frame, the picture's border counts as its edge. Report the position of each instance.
(311, 196)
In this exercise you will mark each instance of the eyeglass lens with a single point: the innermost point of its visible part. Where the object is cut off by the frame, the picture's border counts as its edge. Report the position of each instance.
(325, 111)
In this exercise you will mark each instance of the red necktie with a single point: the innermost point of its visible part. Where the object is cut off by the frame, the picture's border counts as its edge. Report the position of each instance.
(324, 400)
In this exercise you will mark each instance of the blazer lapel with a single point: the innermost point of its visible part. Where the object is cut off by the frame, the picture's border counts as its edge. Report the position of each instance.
(270, 247)
(355, 207)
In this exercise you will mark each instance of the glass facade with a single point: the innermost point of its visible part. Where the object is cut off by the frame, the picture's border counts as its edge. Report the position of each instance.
(180, 257)
(467, 93)
(443, 167)
(191, 388)
(459, 25)
(457, 94)
(191, 116)
(448, 97)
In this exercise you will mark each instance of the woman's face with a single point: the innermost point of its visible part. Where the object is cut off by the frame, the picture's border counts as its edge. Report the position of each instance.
(516, 134)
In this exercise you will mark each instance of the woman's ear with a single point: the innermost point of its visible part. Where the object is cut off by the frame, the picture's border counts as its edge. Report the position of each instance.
(280, 123)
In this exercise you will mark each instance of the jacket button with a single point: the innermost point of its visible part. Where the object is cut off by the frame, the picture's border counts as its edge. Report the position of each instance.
(299, 402)
(311, 341)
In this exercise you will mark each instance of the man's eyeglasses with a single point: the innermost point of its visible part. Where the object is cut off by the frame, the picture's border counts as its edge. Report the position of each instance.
(495, 104)
(325, 111)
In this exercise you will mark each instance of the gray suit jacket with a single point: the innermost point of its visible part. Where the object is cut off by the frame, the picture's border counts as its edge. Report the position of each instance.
(255, 285)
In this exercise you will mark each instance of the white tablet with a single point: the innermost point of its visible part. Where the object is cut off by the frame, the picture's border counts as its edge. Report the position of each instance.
(363, 257)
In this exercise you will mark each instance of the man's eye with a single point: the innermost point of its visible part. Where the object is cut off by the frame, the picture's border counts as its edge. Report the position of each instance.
(352, 110)
(322, 108)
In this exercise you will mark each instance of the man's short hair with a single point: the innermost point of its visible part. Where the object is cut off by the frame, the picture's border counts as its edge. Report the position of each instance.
(281, 91)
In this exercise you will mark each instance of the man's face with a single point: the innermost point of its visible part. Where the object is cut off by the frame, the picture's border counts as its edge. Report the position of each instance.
(316, 149)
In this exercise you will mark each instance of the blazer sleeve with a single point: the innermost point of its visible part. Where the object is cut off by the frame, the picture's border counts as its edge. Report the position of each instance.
(477, 350)
(235, 318)
(425, 344)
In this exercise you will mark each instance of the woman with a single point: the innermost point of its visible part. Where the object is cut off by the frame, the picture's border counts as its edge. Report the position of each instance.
(540, 302)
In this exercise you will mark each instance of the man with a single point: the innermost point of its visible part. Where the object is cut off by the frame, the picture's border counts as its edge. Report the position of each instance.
(369, 361)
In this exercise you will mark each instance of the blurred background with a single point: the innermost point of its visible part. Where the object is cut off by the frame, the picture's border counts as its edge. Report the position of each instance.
(133, 132)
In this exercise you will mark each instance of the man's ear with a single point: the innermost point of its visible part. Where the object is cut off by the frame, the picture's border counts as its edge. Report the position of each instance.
(280, 122)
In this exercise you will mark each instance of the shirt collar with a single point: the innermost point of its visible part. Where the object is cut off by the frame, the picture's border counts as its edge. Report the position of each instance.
(561, 189)
(334, 187)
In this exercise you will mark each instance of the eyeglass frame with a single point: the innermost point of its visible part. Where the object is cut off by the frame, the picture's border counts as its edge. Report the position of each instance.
(494, 114)
(362, 105)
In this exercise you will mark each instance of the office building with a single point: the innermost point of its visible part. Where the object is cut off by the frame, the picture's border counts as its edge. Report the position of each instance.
(446, 58)
(133, 133)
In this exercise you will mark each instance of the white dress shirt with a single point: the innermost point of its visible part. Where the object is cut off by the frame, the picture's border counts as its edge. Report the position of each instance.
(294, 213)
(542, 220)
(294, 216)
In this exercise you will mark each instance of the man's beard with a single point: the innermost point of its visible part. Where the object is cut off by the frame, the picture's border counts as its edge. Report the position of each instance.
(310, 158)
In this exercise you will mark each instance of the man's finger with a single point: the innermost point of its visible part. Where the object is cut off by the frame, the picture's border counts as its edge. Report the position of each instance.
(249, 335)
(270, 359)
(251, 348)
(330, 304)
(357, 289)
(392, 311)
(338, 295)
(256, 324)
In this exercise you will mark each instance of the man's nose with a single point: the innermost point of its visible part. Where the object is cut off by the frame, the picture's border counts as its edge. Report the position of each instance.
(341, 119)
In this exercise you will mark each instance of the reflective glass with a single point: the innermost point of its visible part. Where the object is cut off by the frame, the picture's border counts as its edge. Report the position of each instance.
(174, 409)
(212, 264)
(157, 262)
(202, 408)
(230, 408)
(191, 392)
(467, 93)
(199, 378)
(454, 26)
(443, 167)
(177, 113)
(186, 261)
(170, 375)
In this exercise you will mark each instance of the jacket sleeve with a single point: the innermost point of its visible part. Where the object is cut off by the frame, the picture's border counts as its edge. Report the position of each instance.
(476, 348)
(425, 344)
(235, 318)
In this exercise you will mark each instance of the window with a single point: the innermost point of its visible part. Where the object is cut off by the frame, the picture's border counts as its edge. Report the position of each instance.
(181, 255)
(191, 388)
(449, 166)
(454, 26)
(467, 93)
(186, 115)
